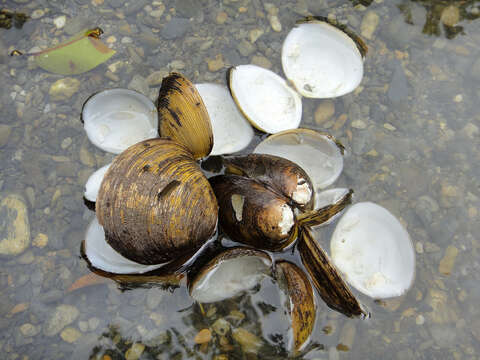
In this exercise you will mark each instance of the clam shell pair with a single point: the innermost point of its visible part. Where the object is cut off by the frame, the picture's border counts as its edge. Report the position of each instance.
(154, 203)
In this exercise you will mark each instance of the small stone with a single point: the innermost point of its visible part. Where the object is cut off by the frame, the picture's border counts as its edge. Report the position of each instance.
(138, 83)
(15, 237)
(221, 326)
(458, 98)
(250, 343)
(419, 247)
(62, 316)
(83, 326)
(359, 124)
(41, 240)
(450, 15)
(5, 131)
(26, 258)
(66, 143)
(203, 336)
(254, 34)
(37, 14)
(215, 64)
(389, 127)
(64, 89)
(29, 330)
(177, 65)
(449, 190)
(155, 78)
(261, 61)
(60, 21)
(175, 28)
(222, 16)
(135, 351)
(97, 2)
(111, 39)
(275, 23)
(369, 24)
(245, 48)
(93, 323)
(158, 12)
(420, 320)
(18, 308)
(117, 65)
(70, 334)
(471, 130)
(448, 261)
(324, 111)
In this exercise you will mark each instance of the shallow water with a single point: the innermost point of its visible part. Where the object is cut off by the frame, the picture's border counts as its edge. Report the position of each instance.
(411, 131)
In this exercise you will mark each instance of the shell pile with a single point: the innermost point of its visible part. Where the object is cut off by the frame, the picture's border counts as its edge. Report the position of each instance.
(156, 209)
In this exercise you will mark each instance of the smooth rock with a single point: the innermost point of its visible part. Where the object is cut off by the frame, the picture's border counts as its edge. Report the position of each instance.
(63, 89)
(14, 225)
(41, 240)
(138, 83)
(188, 8)
(325, 110)
(249, 342)
(245, 48)
(135, 351)
(222, 16)
(60, 21)
(203, 336)
(5, 131)
(369, 24)
(70, 335)
(155, 78)
(275, 23)
(215, 64)
(62, 316)
(448, 261)
(29, 330)
(262, 61)
(175, 28)
(450, 15)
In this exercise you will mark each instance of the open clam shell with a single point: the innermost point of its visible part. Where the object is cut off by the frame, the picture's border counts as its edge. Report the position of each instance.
(117, 118)
(102, 256)
(231, 131)
(230, 273)
(155, 203)
(321, 60)
(93, 183)
(183, 116)
(302, 307)
(265, 98)
(319, 154)
(373, 251)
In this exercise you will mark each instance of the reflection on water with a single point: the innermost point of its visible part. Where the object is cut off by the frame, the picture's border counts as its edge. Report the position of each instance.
(411, 132)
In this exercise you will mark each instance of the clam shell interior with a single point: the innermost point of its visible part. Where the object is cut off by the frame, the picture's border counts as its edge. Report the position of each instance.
(230, 277)
(102, 256)
(231, 131)
(317, 154)
(117, 118)
(373, 251)
(265, 98)
(321, 60)
(93, 183)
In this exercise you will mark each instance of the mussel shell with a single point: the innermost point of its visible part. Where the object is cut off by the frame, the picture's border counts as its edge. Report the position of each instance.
(280, 174)
(326, 278)
(183, 115)
(154, 202)
(253, 214)
(302, 302)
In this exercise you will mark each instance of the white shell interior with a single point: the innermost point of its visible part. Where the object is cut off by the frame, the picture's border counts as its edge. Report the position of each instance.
(231, 131)
(102, 256)
(314, 152)
(93, 183)
(321, 60)
(229, 278)
(373, 251)
(265, 98)
(118, 118)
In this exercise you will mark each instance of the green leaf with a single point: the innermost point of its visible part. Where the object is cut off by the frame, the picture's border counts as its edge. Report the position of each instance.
(77, 55)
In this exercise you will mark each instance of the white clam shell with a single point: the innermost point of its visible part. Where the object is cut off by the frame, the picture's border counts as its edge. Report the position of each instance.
(118, 118)
(321, 60)
(317, 154)
(373, 251)
(231, 131)
(102, 256)
(229, 278)
(93, 183)
(265, 98)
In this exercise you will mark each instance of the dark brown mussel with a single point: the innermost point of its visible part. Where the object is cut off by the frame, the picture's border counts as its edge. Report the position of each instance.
(155, 203)
(228, 274)
(253, 214)
(280, 174)
(326, 278)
